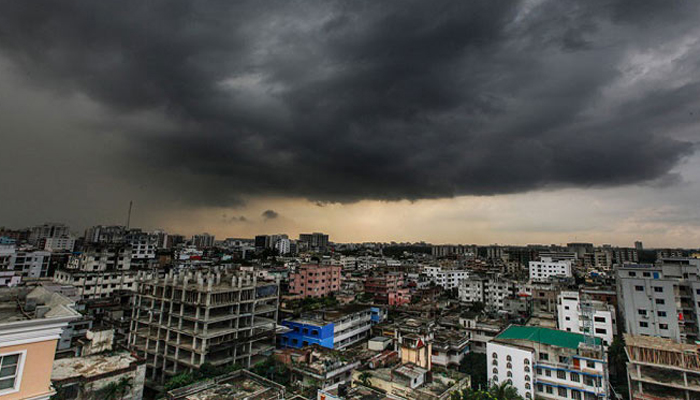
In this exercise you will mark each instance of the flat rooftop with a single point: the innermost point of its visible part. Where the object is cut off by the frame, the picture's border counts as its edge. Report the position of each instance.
(90, 366)
(552, 337)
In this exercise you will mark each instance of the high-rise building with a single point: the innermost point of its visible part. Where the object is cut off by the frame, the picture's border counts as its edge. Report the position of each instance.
(47, 230)
(661, 300)
(203, 241)
(314, 241)
(105, 234)
(186, 319)
(638, 245)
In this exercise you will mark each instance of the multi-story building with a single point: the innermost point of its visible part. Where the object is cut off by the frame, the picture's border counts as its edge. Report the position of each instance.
(62, 243)
(625, 255)
(602, 259)
(218, 316)
(490, 290)
(47, 230)
(548, 363)
(31, 264)
(28, 338)
(315, 280)
(143, 245)
(99, 271)
(449, 250)
(105, 234)
(449, 347)
(203, 241)
(334, 329)
(381, 284)
(547, 267)
(661, 300)
(316, 241)
(571, 314)
(448, 278)
(662, 368)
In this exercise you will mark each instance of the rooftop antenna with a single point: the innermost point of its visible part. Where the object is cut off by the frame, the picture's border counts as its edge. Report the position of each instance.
(128, 218)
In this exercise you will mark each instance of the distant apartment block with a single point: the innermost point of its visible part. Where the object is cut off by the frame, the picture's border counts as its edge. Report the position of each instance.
(661, 300)
(203, 241)
(489, 290)
(547, 267)
(315, 280)
(62, 243)
(448, 278)
(48, 230)
(571, 311)
(99, 271)
(218, 316)
(381, 284)
(143, 245)
(314, 241)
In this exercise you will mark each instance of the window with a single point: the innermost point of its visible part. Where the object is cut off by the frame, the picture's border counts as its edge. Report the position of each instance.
(544, 356)
(643, 324)
(562, 392)
(590, 364)
(632, 273)
(526, 362)
(527, 378)
(639, 288)
(661, 313)
(658, 289)
(547, 372)
(9, 372)
(642, 311)
(663, 326)
(562, 359)
(509, 366)
(539, 371)
(494, 362)
(495, 379)
(601, 331)
(509, 358)
(509, 374)
(540, 387)
(527, 369)
(528, 395)
(599, 319)
(494, 355)
(574, 377)
(575, 394)
(561, 374)
(548, 389)
(495, 371)
(660, 301)
(527, 386)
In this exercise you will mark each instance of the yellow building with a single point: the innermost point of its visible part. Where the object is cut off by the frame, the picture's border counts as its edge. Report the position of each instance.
(31, 323)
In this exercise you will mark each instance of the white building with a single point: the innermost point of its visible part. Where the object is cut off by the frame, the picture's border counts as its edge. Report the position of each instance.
(548, 364)
(545, 268)
(63, 243)
(570, 316)
(143, 245)
(99, 271)
(283, 245)
(490, 290)
(448, 278)
(30, 264)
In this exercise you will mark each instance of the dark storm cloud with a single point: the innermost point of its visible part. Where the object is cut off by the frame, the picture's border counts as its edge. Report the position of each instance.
(342, 101)
(270, 214)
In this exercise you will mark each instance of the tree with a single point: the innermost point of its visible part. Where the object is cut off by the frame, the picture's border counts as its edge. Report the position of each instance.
(364, 378)
(474, 364)
(115, 390)
(617, 359)
(505, 391)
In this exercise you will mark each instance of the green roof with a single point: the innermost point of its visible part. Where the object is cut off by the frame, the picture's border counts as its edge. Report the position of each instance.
(548, 336)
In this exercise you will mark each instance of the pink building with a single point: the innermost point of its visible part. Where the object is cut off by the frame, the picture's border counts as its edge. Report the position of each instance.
(398, 297)
(313, 280)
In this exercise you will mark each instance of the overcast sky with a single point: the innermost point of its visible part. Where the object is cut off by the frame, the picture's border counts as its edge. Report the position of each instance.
(541, 121)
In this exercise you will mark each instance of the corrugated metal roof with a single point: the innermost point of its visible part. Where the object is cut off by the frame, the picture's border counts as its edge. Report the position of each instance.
(548, 336)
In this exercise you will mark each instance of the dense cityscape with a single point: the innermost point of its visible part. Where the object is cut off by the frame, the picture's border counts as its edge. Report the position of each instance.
(350, 200)
(123, 313)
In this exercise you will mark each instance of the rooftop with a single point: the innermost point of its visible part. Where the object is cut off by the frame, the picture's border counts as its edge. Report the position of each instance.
(552, 337)
(90, 366)
(240, 385)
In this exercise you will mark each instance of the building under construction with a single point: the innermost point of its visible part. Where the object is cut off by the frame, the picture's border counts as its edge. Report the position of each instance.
(661, 368)
(217, 316)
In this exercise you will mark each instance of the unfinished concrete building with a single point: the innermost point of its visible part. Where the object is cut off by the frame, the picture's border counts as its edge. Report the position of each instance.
(217, 316)
(660, 368)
